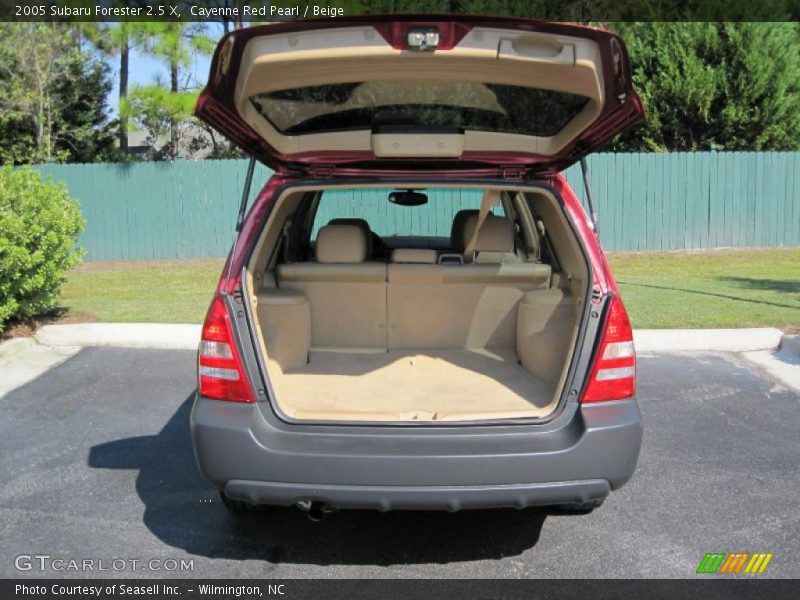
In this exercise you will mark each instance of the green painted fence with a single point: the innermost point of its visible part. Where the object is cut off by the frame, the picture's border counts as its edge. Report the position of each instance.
(695, 200)
(644, 201)
(157, 210)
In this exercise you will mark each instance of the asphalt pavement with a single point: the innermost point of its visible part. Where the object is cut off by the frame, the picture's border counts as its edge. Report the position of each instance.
(96, 464)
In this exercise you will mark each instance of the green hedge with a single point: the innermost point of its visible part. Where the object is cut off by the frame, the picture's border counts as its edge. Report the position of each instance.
(39, 224)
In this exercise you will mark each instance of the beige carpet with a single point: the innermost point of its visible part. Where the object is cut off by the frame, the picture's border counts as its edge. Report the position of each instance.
(409, 385)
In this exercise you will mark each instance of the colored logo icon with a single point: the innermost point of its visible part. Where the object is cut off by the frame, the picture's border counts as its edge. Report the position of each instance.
(738, 562)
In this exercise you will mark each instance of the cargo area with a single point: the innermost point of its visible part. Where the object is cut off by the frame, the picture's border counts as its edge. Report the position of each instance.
(413, 385)
(472, 327)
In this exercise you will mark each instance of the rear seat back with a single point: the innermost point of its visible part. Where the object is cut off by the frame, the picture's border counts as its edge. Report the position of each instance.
(462, 306)
(411, 303)
(347, 296)
(459, 306)
(414, 256)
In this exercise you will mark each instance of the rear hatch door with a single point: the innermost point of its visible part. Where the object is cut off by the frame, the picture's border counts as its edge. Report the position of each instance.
(417, 93)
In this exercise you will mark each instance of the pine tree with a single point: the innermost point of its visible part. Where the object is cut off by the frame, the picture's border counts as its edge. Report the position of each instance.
(52, 97)
(726, 86)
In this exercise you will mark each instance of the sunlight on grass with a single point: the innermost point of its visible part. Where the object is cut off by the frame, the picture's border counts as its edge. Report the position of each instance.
(142, 292)
(715, 288)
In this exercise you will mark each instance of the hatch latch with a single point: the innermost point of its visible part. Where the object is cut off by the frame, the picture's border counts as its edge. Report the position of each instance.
(321, 171)
(513, 172)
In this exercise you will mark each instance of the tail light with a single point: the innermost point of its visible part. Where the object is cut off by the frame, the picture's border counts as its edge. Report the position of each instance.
(613, 374)
(220, 375)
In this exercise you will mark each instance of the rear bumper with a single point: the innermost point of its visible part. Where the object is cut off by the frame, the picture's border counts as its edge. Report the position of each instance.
(451, 498)
(580, 456)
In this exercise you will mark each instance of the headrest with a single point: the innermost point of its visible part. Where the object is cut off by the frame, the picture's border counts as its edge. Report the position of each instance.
(414, 255)
(360, 223)
(495, 235)
(458, 241)
(341, 244)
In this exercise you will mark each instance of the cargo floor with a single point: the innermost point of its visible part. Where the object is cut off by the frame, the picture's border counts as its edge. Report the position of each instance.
(413, 385)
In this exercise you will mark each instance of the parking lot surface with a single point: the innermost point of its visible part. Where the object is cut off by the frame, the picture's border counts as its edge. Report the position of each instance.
(96, 463)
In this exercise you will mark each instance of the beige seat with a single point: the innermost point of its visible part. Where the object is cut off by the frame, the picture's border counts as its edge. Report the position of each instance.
(495, 242)
(412, 302)
(462, 306)
(458, 240)
(414, 256)
(362, 224)
(346, 295)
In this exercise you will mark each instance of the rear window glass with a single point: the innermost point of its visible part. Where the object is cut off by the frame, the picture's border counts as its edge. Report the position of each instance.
(433, 220)
(473, 106)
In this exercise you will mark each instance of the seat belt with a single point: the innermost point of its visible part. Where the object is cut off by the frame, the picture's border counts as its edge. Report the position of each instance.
(286, 242)
(490, 198)
(544, 242)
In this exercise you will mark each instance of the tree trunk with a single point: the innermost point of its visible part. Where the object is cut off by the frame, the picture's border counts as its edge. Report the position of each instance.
(226, 22)
(173, 126)
(42, 141)
(238, 23)
(124, 56)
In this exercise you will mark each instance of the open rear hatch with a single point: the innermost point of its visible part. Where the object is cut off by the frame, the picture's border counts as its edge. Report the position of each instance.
(347, 336)
(417, 93)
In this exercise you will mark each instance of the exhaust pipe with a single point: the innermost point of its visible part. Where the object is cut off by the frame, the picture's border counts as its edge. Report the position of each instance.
(315, 511)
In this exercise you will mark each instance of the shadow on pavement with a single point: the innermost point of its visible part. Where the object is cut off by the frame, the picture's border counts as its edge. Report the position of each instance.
(183, 511)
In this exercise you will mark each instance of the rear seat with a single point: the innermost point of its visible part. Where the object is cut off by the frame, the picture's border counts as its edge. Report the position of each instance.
(462, 306)
(414, 256)
(347, 296)
(412, 302)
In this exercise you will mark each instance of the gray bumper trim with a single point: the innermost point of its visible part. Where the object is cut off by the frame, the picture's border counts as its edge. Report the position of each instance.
(451, 498)
(237, 442)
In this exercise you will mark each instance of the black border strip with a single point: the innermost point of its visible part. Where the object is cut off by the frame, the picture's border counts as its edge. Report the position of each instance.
(554, 10)
(706, 587)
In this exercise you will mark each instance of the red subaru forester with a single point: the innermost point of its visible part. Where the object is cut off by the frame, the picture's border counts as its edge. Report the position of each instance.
(417, 312)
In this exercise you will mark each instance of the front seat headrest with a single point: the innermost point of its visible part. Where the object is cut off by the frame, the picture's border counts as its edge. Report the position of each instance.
(341, 244)
(495, 235)
(358, 222)
(458, 241)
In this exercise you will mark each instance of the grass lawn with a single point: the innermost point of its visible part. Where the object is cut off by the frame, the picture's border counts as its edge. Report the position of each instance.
(716, 288)
(713, 288)
(168, 291)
